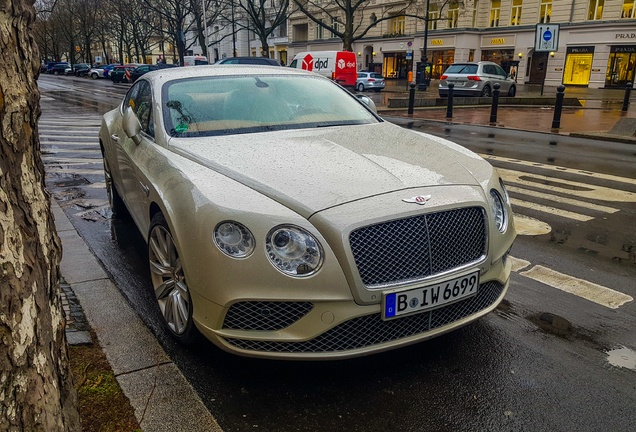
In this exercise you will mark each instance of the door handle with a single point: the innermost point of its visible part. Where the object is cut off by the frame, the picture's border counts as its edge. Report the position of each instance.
(114, 137)
(145, 188)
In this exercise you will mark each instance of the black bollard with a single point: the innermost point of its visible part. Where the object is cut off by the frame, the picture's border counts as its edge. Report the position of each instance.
(495, 103)
(628, 90)
(556, 121)
(449, 106)
(411, 98)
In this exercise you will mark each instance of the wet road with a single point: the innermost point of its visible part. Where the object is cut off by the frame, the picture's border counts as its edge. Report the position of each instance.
(509, 371)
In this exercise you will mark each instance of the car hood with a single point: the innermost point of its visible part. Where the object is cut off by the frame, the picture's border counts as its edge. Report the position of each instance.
(310, 170)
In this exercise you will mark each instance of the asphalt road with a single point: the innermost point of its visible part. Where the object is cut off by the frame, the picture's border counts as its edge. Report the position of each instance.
(511, 370)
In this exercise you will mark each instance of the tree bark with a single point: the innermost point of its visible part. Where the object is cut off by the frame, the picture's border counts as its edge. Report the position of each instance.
(36, 388)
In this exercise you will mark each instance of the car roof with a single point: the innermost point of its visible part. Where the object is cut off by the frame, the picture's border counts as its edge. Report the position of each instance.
(161, 76)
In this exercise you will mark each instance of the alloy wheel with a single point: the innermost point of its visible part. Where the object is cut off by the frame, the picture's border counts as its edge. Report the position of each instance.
(168, 279)
(108, 179)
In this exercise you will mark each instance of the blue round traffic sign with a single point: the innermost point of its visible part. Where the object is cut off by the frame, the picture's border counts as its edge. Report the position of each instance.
(547, 35)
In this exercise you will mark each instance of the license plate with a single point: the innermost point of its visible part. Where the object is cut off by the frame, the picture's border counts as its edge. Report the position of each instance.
(416, 300)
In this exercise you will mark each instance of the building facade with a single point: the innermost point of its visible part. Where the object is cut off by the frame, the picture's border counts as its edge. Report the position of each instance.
(597, 41)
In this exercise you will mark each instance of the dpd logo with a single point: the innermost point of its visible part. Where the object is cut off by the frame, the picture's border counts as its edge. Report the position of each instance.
(308, 63)
(321, 64)
(341, 64)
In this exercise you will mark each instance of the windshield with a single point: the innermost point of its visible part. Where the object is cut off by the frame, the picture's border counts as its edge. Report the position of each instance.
(231, 105)
(461, 69)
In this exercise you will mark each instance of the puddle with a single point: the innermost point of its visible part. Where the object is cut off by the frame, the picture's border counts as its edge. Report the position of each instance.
(70, 194)
(74, 181)
(553, 324)
(622, 357)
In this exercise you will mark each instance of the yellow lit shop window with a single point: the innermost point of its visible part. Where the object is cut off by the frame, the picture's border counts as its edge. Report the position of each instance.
(389, 67)
(577, 69)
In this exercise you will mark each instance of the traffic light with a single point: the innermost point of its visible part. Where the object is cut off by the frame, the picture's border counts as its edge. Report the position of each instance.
(77, 48)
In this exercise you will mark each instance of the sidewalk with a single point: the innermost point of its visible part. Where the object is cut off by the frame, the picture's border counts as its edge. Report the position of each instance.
(161, 397)
(536, 119)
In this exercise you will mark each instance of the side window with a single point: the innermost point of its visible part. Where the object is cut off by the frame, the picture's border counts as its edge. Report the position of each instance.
(293, 64)
(501, 72)
(231, 61)
(131, 96)
(144, 108)
(490, 70)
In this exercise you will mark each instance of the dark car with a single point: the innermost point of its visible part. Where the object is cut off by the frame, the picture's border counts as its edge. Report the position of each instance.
(134, 75)
(80, 69)
(49, 66)
(60, 68)
(118, 74)
(262, 61)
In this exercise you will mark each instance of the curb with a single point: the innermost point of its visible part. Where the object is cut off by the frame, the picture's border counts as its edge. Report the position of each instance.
(604, 136)
(160, 395)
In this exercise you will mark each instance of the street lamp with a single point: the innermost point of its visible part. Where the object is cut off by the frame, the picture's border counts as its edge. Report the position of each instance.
(423, 84)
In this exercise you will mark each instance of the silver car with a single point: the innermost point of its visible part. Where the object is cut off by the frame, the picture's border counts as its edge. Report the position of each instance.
(370, 81)
(476, 79)
(286, 219)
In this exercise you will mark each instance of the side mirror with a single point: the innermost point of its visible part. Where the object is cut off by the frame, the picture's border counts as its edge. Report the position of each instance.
(368, 102)
(131, 125)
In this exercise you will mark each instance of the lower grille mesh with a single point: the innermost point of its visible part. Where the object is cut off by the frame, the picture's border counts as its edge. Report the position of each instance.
(371, 330)
(265, 315)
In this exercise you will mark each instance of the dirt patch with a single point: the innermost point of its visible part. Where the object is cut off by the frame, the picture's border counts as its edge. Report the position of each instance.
(102, 405)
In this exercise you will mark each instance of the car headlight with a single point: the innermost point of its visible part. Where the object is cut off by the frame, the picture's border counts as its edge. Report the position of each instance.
(293, 251)
(503, 188)
(234, 239)
(498, 210)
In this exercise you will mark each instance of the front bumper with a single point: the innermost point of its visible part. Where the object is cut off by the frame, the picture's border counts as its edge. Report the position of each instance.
(343, 329)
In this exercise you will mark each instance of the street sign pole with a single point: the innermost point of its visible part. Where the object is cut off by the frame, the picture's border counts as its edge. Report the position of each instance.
(546, 39)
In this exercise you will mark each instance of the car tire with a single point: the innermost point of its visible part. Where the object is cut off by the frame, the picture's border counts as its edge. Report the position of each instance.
(486, 92)
(360, 87)
(117, 205)
(94, 75)
(512, 91)
(169, 282)
(378, 90)
(56, 73)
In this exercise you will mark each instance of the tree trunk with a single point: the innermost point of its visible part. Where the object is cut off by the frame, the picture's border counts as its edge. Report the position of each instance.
(264, 47)
(36, 388)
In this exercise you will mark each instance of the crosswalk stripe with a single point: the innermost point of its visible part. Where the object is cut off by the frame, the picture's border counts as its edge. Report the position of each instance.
(518, 263)
(87, 152)
(551, 210)
(580, 287)
(561, 169)
(560, 199)
(589, 191)
(83, 137)
(76, 171)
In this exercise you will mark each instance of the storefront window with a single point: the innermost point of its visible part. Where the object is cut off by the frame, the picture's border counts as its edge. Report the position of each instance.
(628, 9)
(595, 12)
(495, 9)
(433, 14)
(453, 15)
(441, 60)
(497, 56)
(515, 15)
(395, 65)
(546, 11)
(471, 55)
(577, 69)
(621, 67)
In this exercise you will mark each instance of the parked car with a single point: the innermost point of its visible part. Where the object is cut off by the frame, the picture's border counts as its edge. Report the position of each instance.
(101, 71)
(262, 61)
(370, 81)
(118, 74)
(476, 79)
(60, 68)
(144, 69)
(286, 219)
(340, 66)
(195, 61)
(50, 65)
(80, 69)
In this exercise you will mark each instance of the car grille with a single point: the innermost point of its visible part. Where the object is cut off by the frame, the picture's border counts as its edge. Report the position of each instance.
(265, 315)
(372, 330)
(417, 247)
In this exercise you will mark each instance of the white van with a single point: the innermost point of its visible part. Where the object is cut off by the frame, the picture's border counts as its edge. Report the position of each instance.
(194, 60)
(340, 66)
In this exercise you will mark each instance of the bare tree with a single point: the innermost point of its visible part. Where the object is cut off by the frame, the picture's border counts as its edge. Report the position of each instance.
(35, 381)
(263, 18)
(346, 18)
